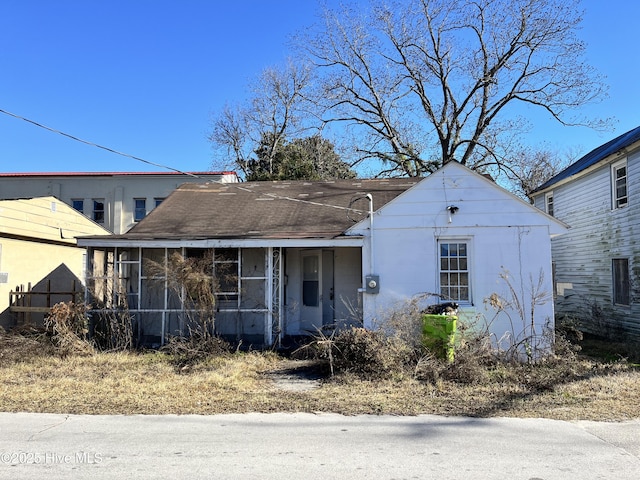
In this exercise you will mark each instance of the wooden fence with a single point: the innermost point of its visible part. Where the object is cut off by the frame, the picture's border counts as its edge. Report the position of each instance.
(24, 302)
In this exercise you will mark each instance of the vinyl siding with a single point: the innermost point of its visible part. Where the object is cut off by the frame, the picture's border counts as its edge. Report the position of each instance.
(583, 256)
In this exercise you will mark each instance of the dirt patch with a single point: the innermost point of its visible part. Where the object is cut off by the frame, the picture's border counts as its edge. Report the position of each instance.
(298, 375)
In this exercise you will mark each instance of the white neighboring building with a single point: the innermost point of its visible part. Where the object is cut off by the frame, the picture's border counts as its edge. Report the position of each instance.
(115, 200)
(597, 263)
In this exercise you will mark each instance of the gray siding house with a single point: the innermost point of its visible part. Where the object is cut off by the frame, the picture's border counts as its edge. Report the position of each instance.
(597, 263)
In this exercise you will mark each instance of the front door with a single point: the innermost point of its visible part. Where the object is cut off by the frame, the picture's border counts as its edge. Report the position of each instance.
(317, 289)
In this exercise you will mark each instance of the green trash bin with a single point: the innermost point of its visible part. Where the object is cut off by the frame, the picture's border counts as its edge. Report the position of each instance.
(439, 334)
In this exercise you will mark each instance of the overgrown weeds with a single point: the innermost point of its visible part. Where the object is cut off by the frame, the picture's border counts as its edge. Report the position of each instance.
(185, 352)
(371, 354)
(68, 326)
(478, 383)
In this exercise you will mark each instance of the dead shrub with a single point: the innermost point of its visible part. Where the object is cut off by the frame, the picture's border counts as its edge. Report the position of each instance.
(474, 358)
(22, 344)
(188, 351)
(371, 354)
(67, 324)
(113, 330)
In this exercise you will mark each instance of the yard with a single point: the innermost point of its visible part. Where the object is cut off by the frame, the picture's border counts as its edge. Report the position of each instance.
(594, 384)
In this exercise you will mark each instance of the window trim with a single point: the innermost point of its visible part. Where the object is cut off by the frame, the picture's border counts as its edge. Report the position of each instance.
(469, 252)
(94, 211)
(137, 209)
(622, 200)
(626, 301)
(548, 202)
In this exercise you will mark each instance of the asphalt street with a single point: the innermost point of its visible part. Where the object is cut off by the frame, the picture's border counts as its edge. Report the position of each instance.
(314, 446)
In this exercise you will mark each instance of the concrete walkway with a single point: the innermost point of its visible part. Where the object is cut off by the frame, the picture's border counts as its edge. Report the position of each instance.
(308, 446)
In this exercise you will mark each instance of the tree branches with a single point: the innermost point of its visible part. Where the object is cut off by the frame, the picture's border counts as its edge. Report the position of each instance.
(414, 84)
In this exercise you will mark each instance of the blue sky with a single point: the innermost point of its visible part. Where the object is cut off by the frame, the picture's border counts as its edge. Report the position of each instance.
(144, 77)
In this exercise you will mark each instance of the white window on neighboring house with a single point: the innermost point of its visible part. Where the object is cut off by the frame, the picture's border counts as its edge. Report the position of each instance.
(454, 278)
(98, 210)
(548, 203)
(139, 209)
(621, 281)
(619, 184)
(157, 201)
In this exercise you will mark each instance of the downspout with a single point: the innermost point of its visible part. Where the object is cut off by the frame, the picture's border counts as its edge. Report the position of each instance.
(371, 281)
(371, 254)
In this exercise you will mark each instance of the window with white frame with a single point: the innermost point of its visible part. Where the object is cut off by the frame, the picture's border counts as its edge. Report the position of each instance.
(621, 281)
(98, 210)
(548, 203)
(454, 271)
(139, 209)
(619, 184)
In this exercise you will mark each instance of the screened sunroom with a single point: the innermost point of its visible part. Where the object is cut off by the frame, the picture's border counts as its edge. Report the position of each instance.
(169, 291)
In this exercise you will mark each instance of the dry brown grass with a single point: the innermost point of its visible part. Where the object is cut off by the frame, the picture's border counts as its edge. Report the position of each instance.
(34, 378)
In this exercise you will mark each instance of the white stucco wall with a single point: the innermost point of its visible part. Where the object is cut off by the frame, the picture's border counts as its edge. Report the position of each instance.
(505, 235)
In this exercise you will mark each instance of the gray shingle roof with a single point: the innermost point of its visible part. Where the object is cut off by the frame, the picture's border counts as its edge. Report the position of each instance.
(594, 156)
(283, 209)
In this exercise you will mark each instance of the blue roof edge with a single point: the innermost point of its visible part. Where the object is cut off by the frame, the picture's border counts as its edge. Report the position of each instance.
(594, 156)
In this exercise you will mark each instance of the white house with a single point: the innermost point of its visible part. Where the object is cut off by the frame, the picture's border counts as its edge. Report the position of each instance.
(312, 254)
(597, 263)
(115, 200)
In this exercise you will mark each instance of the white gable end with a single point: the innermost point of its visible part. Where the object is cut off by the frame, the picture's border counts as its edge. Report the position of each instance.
(475, 200)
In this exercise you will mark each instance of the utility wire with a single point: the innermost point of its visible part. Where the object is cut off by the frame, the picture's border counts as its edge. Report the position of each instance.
(96, 145)
(111, 150)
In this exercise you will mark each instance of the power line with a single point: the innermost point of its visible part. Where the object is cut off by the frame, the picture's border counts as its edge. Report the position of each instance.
(86, 142)
(111, 150)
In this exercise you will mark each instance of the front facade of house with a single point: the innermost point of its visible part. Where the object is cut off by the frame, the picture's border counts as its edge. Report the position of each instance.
(597, 263)
(38, 247)
(459, 235)
(293, 258)
(115, 200)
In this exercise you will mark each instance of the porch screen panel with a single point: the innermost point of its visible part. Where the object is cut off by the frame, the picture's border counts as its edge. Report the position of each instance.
(175, 281)
(253, 294)
(253, 287)
(253, 262)
(252, 326)
(227, 324)
(153, 284)
(127, 287)
(150, 328)
(227, 276)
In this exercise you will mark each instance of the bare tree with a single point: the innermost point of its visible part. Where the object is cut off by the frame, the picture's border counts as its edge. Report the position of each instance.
(425, 82)
(277, 110)
(528, 169)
